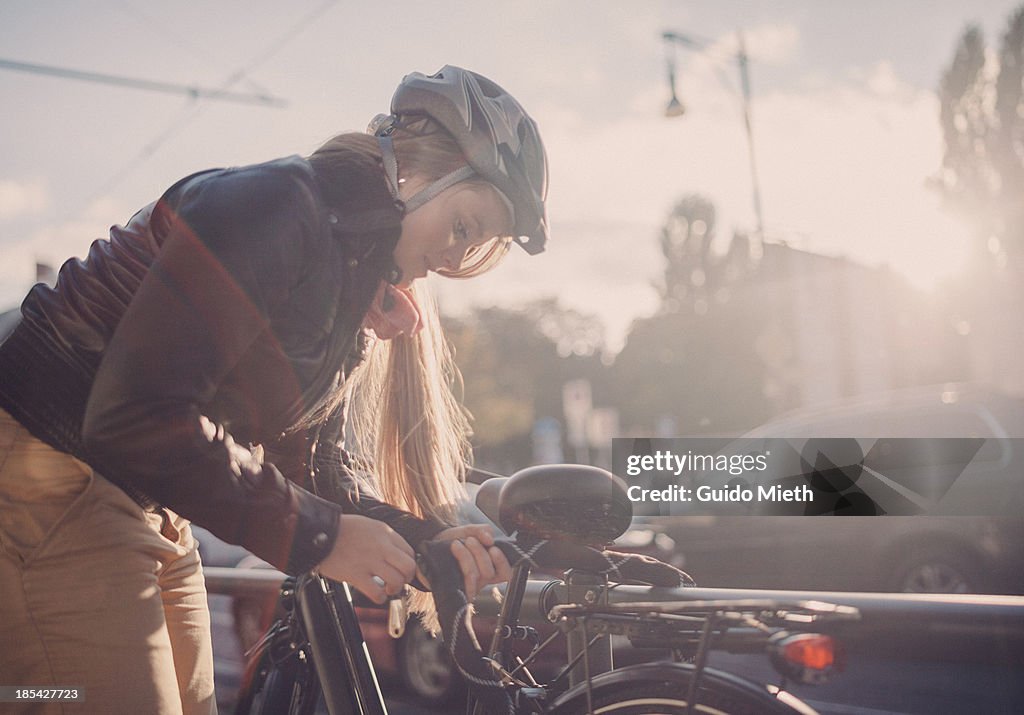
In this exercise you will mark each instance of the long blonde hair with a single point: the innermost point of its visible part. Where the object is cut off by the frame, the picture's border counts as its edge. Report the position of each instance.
(405, 415)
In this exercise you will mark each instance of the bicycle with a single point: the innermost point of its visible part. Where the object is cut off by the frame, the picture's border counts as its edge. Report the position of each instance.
(561, 516)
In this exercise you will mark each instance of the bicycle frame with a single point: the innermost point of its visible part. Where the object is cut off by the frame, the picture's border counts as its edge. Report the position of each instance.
(972, 630)
(341, 667)
(317, 651)
(585, 657)
(344, 670)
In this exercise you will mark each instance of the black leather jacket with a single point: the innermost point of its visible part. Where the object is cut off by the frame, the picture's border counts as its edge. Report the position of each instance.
(222, 315)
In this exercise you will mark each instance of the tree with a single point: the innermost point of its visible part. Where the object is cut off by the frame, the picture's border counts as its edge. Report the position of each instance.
(982, 117)
(694, 363)
(514, 363)
(982, 178)
(686, 244)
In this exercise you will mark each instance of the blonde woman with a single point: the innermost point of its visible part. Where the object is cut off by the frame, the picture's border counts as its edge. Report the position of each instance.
(199, 366)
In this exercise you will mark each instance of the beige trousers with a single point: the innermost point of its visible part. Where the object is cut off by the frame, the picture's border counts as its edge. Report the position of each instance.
(95, 592)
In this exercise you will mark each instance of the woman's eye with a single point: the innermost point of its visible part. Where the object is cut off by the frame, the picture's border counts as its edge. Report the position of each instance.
(461, 234)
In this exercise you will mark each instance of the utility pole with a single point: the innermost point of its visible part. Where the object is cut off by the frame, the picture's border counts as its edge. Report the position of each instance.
(676, 108)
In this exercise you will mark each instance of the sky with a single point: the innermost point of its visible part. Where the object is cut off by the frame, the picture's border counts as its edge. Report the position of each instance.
(844, 110)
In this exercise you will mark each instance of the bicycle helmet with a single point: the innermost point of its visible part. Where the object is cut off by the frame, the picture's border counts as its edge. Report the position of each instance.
(499, 140)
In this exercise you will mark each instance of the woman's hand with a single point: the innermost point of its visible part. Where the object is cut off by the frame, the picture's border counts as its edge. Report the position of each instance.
(371, 556)
(481, 562)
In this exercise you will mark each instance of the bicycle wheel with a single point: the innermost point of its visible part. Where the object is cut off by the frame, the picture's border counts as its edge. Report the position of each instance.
(662, 688)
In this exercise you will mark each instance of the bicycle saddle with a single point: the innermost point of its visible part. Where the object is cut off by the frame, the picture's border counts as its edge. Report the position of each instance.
(559, 501)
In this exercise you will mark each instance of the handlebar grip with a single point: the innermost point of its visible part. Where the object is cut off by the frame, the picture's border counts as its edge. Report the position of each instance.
(454, 614)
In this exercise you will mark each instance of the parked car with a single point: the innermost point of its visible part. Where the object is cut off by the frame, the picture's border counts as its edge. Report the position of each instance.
(930, 554)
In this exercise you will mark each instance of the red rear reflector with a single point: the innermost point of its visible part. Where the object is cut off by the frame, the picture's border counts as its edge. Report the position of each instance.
(810, 650)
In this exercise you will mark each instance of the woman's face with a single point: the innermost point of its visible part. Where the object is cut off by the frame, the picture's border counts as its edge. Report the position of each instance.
(440, 233)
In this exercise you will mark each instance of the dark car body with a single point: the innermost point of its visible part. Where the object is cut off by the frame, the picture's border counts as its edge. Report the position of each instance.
(926, 553)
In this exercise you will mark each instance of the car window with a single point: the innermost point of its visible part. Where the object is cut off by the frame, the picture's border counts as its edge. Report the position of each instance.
(937, 420)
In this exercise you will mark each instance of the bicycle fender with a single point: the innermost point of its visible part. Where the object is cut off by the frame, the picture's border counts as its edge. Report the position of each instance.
(714, 683)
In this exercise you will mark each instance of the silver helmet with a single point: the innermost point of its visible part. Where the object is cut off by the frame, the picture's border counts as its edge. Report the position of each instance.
(498, 138)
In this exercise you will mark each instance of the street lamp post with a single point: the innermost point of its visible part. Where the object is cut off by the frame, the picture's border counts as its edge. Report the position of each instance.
(676, 108)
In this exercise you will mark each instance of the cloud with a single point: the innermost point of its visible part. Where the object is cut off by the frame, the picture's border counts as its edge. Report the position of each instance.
(53, 244)
(769, 44)
(776, 44)
(846, 167)
(22, 198)
(842, 166)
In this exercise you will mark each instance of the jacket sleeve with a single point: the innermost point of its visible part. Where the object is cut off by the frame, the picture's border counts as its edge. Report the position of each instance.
(337, 478)
(335, 475)
(233, 246)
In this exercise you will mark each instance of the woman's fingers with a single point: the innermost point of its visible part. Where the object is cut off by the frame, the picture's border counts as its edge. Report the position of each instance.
(371, 556)
(468, 566)
(380, 586)
(484, 565)
(479, 560)
(401, 544)
(402, 557)
(389, 580)
(484, 533)
(493, 566)
(502, 568)
(481, 532)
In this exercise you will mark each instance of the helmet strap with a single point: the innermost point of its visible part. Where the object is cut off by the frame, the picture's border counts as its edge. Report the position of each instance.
(387, 150)
(424, 195)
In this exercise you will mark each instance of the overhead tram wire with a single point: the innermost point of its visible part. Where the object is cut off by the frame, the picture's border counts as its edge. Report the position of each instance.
(280, 43)
(192, 91)
(192, 110)
(156, 26)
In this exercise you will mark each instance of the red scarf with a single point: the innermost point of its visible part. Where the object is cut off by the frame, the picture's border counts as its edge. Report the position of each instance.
(393, 312)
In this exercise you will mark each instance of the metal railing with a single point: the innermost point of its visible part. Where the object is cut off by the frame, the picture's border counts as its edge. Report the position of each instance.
(970, 628)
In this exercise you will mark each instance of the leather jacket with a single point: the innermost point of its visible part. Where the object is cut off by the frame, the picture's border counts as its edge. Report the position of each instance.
(224, 314)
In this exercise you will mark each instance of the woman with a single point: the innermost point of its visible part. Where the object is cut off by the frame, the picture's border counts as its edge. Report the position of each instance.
(199, 366)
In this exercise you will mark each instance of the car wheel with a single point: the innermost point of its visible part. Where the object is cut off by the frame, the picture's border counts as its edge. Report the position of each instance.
(935, 570)
(426, 667)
